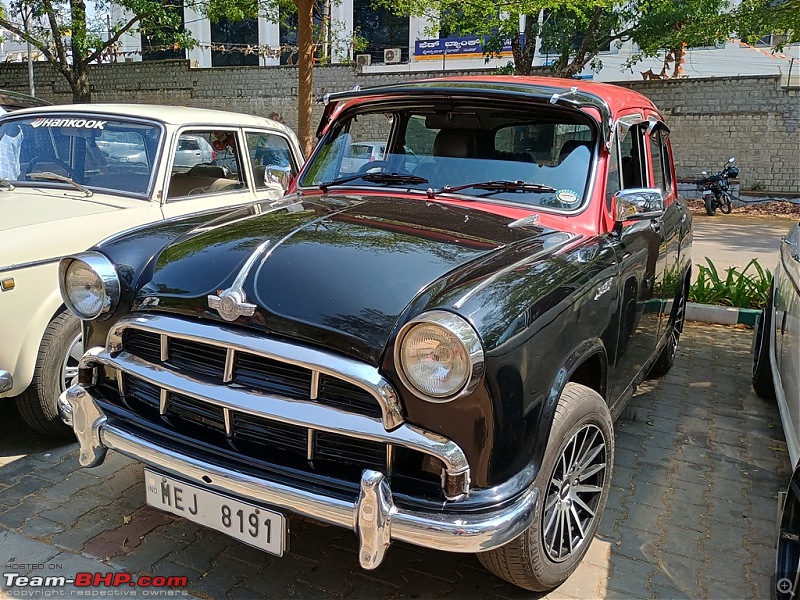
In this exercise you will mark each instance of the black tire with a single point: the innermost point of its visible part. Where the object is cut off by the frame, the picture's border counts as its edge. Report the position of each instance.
(788, 555)
(711, 208)
(529, 561)
(763, 383)
(37, 404)
(725, 205)
(666, 357)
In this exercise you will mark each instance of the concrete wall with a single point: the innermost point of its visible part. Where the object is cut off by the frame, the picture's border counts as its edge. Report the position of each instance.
(753, 118)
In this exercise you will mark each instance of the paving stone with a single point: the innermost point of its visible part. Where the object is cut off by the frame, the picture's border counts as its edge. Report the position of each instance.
(16, 517)
(124, 536)
(676, 571)
(669, 593)
(143, 558)
(650, 494)
(75, 536)
(366, 587)
(69, 513)
(281, 574)
(588, 581)
(29, 484)
(119, 482)
(685, 542)
(71, 485)
(207, 546)
(631, 576)
(633, 544)
(727, 567)
(643, 517)
(39, 527)
(56, 454)
(717, 589)
(21, 549)
(612, 594)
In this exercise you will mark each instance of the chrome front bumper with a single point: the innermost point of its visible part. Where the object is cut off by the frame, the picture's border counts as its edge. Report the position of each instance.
(6, 381)
(374, 516)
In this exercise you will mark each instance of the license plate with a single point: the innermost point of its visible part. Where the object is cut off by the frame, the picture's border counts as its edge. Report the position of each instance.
(247, 523)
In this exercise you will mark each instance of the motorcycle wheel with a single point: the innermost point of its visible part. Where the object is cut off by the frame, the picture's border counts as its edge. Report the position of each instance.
(725, 205)
(711, 206)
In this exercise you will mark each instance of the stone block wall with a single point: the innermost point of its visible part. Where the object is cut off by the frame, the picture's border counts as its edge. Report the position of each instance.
(753, 118)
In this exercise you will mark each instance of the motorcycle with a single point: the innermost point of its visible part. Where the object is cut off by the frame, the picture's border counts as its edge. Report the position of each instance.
(716, 194)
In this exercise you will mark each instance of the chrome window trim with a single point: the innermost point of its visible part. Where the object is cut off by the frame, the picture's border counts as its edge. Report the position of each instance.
(354, 372)
(32, 263)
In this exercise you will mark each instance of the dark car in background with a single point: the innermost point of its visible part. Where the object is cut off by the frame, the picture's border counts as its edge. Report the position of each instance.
(776, 376)
(11, 101)
(431, 349)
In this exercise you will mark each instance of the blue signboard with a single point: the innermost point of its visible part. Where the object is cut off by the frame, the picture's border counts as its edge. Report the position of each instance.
(470, 45)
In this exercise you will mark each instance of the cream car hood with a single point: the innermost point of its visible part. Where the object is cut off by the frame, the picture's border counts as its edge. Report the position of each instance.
(41, 224)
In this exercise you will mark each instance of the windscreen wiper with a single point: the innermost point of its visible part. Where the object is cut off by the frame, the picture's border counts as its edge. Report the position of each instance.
(496, 185)
(374, 178)
(50, 176)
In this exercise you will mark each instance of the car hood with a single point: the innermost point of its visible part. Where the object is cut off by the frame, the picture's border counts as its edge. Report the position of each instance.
(339, 272)
(27, 207)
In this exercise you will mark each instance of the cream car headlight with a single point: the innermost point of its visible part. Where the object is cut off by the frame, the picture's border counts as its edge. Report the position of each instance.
(89, 284)
(439, 356)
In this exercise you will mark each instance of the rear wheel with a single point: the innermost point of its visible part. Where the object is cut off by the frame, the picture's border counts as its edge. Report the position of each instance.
(666, 358)
(573, 484)
(56, 366)
(711, 207)
(763, 383)
(788, 556)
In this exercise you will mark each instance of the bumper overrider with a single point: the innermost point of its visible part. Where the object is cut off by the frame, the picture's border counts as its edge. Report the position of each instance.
(373, 516)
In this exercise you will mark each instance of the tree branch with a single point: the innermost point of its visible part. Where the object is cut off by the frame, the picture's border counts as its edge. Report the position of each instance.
(61, 53)
(113, 39)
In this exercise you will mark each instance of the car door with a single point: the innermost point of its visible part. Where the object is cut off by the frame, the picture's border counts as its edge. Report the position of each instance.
(787, 317)
(637, 244)
(667, 271)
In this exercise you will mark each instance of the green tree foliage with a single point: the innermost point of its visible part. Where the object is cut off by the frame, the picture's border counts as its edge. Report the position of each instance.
(62, 31)
(755, 19)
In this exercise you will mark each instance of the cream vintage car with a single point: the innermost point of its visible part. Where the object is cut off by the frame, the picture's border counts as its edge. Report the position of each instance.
(71, 176)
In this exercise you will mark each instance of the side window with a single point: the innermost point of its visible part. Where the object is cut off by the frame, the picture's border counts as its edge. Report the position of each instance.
(612, 176)
(271, 159)
(658, 162)
(633, 164)
(206, 162)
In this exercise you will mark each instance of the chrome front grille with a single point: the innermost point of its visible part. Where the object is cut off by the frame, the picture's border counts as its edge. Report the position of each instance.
(271, 401)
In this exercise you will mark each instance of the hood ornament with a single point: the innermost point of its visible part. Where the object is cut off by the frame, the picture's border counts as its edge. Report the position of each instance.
(232, 303)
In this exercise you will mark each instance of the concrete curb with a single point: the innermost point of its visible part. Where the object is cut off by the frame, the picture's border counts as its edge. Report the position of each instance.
(724, 315)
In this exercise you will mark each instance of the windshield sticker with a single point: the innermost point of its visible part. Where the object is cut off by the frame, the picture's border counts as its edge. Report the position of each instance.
(76, 123)
(567, 197)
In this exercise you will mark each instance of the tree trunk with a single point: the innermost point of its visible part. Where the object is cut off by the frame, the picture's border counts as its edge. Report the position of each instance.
(678, 52)
(305, 9)
(79, 82)
(523, 55)
(79, 77)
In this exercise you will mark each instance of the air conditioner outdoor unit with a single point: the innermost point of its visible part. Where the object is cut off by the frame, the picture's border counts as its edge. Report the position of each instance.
(391, 56)
(363, 60)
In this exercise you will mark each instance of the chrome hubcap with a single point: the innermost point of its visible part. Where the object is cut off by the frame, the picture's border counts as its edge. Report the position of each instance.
(574, 493)
(69, 368)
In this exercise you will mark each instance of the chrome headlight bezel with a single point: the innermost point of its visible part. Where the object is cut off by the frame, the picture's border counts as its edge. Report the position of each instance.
(106, 274)
(468, 338)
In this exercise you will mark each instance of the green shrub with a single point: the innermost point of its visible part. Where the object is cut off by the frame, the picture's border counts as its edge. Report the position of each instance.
(737, 288)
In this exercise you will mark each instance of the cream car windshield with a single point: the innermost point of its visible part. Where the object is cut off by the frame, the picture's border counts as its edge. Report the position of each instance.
(99, 154)
(536, 156)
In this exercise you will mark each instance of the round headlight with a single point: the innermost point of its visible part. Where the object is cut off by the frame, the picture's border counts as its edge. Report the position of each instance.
(439, 355)
(89, 284)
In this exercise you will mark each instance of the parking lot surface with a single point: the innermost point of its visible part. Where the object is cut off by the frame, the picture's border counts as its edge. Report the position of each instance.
(692, 512)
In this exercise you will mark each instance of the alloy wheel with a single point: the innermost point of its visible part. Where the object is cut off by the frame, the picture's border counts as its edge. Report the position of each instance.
(574, 493)
(69, 368)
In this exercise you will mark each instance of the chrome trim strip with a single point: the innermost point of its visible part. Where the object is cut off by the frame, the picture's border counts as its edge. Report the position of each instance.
(163, 401)
(226, 415)
(442, 530)
(310, 447)
(389, 458)
(300, 413)
(32, 263)
(354, 372)
(164, 348)
(314, 385)
(227, 376)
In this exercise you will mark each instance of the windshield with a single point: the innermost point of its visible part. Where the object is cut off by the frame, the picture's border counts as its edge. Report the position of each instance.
(100, 153)
(539, 156)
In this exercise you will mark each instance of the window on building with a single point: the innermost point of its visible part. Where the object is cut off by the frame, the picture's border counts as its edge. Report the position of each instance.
(381, 28)
(234, 37)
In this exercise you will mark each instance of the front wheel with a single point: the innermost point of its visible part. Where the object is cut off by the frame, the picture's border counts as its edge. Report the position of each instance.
(711, 205)
(56, 366)
(573, 484)
(725, 204)
(666, 358)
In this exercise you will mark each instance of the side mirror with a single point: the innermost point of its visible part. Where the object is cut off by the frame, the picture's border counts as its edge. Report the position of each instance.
(732, 159)
(704, 173)
(280, 175)
(638, 204)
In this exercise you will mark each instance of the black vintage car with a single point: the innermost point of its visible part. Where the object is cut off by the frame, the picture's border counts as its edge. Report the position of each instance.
(429, 347)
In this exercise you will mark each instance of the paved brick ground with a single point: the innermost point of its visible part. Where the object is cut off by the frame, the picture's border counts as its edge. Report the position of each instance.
(692, 511)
